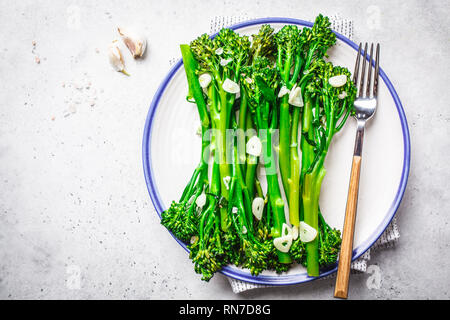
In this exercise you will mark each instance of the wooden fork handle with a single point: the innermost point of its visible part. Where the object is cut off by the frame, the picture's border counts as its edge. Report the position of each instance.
(345, 256)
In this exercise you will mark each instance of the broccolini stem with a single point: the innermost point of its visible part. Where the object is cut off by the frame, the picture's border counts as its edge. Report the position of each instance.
(283, 147)
(242, 124)
(218, 110)
(311, 192)
(308, 180)
(195, 90)
(306, 147)
(294, 180)
(252, 161)
(214, 189)
(259, 191)
(273, 188)
(246, 195)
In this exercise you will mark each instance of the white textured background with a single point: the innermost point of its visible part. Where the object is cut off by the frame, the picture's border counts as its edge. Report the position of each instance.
(75, 216)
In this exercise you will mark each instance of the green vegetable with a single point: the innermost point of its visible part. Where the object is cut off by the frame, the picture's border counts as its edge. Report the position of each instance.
(319, 127)
(261, 93)
(288, 58)
(242, 102)
(182, 216)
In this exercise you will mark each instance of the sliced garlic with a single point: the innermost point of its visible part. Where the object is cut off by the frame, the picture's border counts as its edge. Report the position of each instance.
(201, 200)
(194, 239)
(249, 80)
(286, 230)
(226, 182)
(254, 146)
(283, 91)
(191, 199)
(234, 210)
(219, 51)
(224, 62)
(258, 207)
(115, 58)
(283, 243)
(295, 97)
(136, 44)
(205, 80)
(338, 81)
(230, 86)
(294, 232)
(342, 95)
(307, 233)
(244, 230)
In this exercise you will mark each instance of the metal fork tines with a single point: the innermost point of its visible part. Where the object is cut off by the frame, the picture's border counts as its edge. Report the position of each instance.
(366, 103)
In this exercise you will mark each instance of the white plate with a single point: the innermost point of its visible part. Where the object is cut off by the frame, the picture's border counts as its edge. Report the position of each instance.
(171, 151)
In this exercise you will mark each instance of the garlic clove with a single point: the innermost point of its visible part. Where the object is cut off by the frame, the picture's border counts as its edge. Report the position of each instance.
(201, 200)
(295, 97)
(283, 243)
(226, 182)
(116, 58)
(136, 44)
(258, 207)
(230, 86)
(254, 146)
(223, 62)
(342, 95)
(283, 91)
(205, 80)
(307, 233)
(194, 239)
(286, 230)
(219, 51)
(338, 81)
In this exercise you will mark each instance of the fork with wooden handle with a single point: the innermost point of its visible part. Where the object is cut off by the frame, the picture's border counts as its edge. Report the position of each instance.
(365, 106)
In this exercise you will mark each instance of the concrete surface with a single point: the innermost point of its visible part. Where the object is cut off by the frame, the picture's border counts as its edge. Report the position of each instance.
(75, 215)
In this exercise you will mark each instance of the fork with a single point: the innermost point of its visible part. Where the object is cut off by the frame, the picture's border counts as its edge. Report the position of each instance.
(365, 106)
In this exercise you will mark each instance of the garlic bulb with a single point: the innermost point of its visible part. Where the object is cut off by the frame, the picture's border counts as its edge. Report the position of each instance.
(115, 58)
(134, 43)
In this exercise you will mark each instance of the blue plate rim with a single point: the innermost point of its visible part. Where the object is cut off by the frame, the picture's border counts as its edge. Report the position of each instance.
(280, 280)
